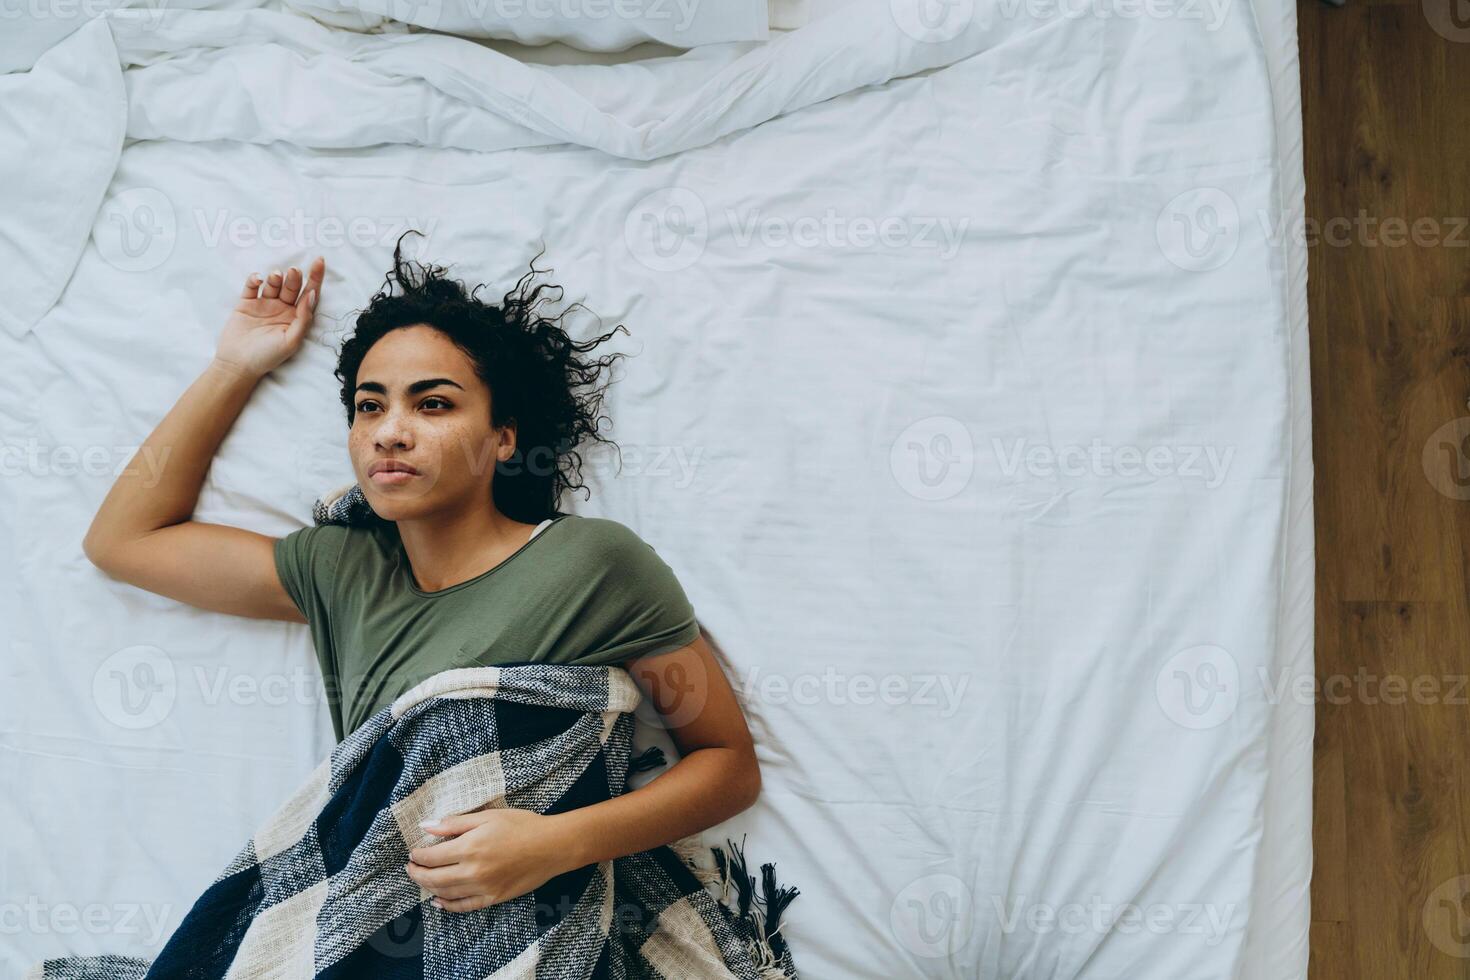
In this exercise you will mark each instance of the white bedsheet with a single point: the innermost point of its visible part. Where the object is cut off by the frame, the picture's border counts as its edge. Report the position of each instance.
(867, 276)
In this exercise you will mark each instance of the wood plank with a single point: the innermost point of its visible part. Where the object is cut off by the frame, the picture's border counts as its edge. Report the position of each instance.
(1387, 137)
(1405, 734)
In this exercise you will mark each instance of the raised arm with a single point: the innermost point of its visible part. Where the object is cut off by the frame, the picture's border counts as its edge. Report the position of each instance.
(144, 533)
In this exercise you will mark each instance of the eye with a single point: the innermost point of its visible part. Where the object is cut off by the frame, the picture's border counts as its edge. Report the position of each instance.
(363, 405)
(443, 402)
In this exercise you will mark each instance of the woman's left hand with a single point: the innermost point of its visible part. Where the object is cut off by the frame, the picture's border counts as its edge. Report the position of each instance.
(492, 856)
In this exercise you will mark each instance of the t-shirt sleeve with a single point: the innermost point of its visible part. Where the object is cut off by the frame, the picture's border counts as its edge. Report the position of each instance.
(306, 563)
(645, 609)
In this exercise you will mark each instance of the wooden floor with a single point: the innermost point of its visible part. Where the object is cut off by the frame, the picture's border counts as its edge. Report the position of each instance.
(1387, 124)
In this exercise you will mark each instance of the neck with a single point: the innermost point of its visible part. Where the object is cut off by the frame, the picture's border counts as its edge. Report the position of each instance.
(448, 549)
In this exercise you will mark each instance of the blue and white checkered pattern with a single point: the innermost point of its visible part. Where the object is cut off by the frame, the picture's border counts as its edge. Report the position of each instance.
(347, 505)
(320, 891)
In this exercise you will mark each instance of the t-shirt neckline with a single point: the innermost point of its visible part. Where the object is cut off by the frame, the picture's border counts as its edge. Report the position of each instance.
(422, 593)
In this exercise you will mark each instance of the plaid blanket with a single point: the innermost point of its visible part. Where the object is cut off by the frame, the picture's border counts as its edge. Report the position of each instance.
(320, 891)
(346, 505)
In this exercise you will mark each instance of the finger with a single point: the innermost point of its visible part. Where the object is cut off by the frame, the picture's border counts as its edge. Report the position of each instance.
(305, 310)
(272, 285)
(437, 855)
(316, 274)
(456, 824)
(453, 892)
(252, 286)
(437, 879)
(464, 904)
(291, 286)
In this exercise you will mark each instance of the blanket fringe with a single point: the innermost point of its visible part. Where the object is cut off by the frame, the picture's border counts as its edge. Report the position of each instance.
(650, 758)
(758, 911)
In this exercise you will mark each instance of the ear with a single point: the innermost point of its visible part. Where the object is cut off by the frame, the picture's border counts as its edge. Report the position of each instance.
(507, 441)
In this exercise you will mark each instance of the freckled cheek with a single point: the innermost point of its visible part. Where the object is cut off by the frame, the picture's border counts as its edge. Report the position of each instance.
(357, 445)
(360, 445)
(451, 450)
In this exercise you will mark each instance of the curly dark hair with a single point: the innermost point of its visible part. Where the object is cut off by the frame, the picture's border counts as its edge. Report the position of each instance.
(538, 376)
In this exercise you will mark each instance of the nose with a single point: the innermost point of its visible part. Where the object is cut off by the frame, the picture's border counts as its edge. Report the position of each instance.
(392, 433)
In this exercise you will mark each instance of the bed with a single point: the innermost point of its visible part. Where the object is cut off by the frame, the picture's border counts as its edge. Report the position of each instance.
(968, 398)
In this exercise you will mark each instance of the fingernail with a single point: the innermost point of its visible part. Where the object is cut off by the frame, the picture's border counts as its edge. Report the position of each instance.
(426, 824)
(311, 299)
(275, 272)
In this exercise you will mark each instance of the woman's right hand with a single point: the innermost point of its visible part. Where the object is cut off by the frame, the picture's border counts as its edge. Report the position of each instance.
(264, 331)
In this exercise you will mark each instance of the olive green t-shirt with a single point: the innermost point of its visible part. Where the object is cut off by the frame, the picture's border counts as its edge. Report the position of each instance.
(583, 590)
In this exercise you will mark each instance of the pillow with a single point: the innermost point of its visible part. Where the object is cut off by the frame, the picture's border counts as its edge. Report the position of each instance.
(591, 25)
(30, 28)
(25, 37)
(61, 133)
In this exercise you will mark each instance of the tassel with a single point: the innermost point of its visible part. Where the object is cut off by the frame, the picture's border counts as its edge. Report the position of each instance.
(722, 866)
(650, 758)
(759, 913)
(744, 882)
(777, 898)
(689, 850)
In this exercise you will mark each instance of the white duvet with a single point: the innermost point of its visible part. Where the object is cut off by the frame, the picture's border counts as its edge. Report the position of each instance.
(967, 403)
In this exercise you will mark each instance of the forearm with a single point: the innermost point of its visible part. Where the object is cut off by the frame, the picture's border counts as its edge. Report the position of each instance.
(160, 486)
(705, 787)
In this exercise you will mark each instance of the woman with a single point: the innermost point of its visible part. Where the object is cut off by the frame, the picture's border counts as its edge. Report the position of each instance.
(464, 422)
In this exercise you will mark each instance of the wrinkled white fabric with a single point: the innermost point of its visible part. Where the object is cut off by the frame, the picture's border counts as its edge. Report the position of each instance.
(969, 405)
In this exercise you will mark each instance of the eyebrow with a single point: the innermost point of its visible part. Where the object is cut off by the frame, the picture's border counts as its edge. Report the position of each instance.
(412, 389)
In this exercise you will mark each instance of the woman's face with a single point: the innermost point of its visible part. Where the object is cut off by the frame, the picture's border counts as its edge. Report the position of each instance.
(421, 409)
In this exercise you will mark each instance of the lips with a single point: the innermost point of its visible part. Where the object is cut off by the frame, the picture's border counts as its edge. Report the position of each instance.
(396, 469)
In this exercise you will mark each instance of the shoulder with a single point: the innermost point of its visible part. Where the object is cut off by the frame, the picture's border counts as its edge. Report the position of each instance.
(601, 532)
(628, 575)
(325, 543)
(606, 540)
(319, 535)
